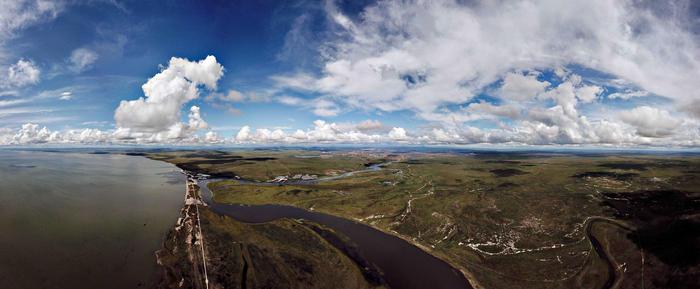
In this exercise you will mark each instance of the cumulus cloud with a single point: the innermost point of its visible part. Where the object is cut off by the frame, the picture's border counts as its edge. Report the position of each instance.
(650, 121)
(16, 15)
(157, 115)
(398, 134)
(637, 133)
(82, 59)
(195, 119)
(588, 93)
(322, 132)
(243, 134)
(434, 57)
(517, 86)
(22, 73)
(31, 133)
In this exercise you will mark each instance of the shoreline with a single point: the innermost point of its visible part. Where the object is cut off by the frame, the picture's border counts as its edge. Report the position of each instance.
(468, 277)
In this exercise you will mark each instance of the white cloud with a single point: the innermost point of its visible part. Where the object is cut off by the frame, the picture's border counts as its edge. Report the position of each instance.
(369, 125)
(18, 14)
(66, 95)
(212, 137)
(231, 96)
(290, 100)
(243, 134)
(157, 116)
(638, 133)
(650, 121)
(22, 73)
(398, 134)
(234, 96)
(628, 94)
(433, 57)
(588, 93)
(325, 108)
(519, 87)
(31, 133)
(195, 119)
(82, 59)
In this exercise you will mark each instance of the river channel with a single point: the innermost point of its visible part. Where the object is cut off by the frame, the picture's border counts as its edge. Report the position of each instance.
(404, 265)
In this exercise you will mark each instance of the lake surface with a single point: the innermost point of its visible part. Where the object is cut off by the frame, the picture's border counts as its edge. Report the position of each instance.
(404, 265)
(70, 220)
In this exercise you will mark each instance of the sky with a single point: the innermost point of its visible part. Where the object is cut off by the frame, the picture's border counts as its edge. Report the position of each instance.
(607, 73)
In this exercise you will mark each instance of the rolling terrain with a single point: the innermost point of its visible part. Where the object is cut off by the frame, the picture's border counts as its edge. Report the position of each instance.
(506, 220)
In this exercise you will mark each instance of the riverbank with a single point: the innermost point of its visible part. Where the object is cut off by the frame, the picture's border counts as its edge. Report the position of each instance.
(404, 265)
(230, 254)
(508, 221)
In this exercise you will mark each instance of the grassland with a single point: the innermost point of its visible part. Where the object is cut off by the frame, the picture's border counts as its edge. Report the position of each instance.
(280, 254)
(506, 220)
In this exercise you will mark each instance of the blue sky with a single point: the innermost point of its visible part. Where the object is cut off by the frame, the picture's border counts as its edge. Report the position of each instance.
(441, 72)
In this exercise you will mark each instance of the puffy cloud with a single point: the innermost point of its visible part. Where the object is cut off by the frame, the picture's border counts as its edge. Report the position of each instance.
(322, 132)
(597, 132)
(434, 57)
(398, 134)
(212, 137)
(650, 121)
(157, 116)
(588, 93)
(22, 73)
(517, 86)
(195, 119)
(82, 59)
(16, 15)
(243, 134)
(31, 133)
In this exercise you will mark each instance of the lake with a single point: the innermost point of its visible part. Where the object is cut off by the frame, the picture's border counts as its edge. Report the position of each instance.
(71, 220)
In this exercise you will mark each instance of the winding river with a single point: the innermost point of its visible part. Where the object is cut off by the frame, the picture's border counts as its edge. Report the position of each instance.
(404, 266)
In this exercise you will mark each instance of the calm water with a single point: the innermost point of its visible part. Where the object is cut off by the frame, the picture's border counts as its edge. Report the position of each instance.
(71, 220)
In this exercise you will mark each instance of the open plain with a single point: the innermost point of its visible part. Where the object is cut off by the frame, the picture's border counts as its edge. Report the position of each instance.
(505, 220)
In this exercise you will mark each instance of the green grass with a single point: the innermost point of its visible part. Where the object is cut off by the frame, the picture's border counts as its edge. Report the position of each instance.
(278, 254)
(517, 202)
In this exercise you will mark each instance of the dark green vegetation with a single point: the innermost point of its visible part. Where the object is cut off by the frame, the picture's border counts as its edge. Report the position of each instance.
(279, 254)
(505, 220)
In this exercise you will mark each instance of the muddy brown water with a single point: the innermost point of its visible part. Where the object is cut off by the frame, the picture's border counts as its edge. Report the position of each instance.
(404, 265)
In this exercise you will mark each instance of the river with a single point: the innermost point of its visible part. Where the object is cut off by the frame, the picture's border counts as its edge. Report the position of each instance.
(76, 220)
(404, 265)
